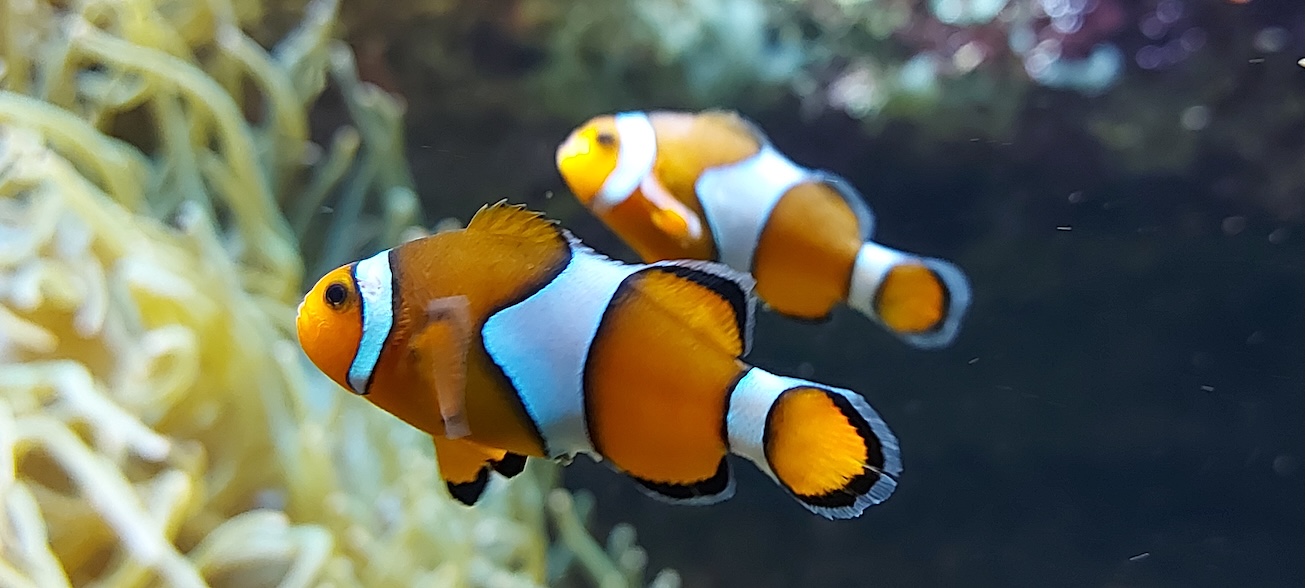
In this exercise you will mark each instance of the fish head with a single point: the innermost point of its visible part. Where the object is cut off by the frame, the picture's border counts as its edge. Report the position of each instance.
(330, 323)
(588, 156)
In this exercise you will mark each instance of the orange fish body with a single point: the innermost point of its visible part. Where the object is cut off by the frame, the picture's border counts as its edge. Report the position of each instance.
(510, 339)
(710, 186)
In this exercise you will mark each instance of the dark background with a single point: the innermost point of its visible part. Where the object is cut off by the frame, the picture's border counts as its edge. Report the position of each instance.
(1124, 406)
(1126, 403)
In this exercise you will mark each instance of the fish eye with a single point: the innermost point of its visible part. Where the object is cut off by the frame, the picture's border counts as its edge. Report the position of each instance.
(335, 295)
(606, 139)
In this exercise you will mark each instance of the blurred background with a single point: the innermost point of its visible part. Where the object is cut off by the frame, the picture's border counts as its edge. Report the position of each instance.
(1123, 182)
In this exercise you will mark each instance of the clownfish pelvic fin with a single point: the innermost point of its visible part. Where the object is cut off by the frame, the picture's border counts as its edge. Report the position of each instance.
(920, 300)
(465, 466)
(826, 446)
(440, 347)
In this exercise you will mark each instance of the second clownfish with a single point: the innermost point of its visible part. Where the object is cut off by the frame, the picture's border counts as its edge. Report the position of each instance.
(510, 339)
(710, 186)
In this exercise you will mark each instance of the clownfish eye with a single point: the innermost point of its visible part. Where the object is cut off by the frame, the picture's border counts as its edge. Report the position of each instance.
(335, 295)
(606, 139)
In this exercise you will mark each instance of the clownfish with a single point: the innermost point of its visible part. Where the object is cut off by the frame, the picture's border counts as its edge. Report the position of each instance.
(510, 339)
(710, 186)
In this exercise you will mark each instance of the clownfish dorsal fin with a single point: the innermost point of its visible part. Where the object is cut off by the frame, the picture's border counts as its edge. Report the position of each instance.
(737, 123)
(518, 222)
(709, 298)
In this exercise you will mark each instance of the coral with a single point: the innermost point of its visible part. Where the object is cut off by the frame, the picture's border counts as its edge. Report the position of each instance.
(155, 410)
(158, 423)
(957, 66)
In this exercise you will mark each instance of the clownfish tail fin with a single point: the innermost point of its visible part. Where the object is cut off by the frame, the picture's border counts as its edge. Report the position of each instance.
(824, 445)
(920, 300)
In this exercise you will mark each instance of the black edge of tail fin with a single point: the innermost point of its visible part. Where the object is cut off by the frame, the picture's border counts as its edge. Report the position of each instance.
(877, 483)
(752, 432)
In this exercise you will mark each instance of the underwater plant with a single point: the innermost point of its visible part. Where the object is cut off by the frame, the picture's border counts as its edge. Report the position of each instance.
(1159, 82)
(160, 198)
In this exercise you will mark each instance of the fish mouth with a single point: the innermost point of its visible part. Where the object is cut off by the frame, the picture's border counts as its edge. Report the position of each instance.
(299, 320)
(574, 146)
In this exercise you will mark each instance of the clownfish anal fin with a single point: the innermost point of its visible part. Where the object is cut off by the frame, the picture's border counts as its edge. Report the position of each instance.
(709, 297)
(719, 487)
(440, 347)
(465, 466)
(510, 465)
(518, 222)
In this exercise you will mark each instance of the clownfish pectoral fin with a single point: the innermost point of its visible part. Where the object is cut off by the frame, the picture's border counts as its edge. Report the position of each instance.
(717, 488)
(465, 466)
(670, 216)
(920, 300)
(440, 346)
(824, 445)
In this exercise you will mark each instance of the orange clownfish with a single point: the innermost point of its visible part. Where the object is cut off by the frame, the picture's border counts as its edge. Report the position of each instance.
(710, 186)
(510, 339)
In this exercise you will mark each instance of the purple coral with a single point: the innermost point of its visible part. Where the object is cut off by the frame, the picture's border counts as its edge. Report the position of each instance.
(1062, 43)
